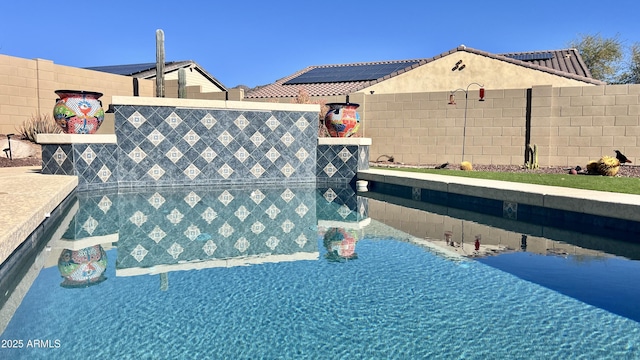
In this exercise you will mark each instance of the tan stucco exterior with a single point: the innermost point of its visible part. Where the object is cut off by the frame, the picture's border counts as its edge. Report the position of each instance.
(492, 73)
(193, 78)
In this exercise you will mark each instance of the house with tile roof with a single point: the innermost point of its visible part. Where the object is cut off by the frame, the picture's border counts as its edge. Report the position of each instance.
(443, 72)
(196, 75)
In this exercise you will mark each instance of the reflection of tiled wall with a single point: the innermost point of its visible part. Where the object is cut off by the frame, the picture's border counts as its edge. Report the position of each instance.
(97, 215)
(168, 226)
(340, 163)
(340, 202)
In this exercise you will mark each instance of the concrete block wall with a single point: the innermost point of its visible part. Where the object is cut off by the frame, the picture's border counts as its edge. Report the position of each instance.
(423, 128)
(578, 124)
(570, 125)
(28, 87)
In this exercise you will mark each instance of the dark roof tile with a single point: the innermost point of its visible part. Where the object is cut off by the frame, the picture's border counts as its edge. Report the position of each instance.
(148, 70)
(566, 63)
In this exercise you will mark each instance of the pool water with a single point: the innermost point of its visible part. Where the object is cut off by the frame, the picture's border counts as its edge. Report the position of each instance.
(368, 291)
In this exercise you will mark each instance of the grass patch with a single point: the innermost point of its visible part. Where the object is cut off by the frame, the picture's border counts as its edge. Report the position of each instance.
(625, 185)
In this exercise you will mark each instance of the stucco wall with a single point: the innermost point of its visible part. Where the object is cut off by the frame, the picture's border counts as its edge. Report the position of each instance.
(502, 75)
(193, 78)
(28, 88)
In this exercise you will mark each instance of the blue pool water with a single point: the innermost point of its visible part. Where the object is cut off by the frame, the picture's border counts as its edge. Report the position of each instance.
(396, 299)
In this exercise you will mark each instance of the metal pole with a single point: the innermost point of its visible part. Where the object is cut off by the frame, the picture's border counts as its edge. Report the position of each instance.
(464, 127)
(466, 102)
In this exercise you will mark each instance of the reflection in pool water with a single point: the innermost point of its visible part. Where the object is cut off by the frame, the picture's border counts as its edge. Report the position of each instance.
(82, 268)
(340, 244)
(244, 273)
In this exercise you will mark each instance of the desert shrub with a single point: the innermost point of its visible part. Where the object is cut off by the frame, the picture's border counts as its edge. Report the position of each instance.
(608, 166)
(592, 167)
(38, 124)
(465, 165)
(304, 98)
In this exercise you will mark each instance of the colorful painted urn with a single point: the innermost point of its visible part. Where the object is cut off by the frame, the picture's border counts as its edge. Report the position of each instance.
(82, 268)
(78, 111)
(342, 119)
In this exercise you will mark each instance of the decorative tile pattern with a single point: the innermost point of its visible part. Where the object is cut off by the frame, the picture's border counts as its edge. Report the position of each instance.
(341, 203)
(136, 119)
(208, 121)
(340, 163)
(137, 155)
(180, 146)
(416, 193)
(510, 210)
(88, 155)
(173, 120)
(165, 226)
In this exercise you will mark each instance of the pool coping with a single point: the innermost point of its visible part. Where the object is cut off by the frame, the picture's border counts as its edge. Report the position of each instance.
(598, 203)
(27, 199)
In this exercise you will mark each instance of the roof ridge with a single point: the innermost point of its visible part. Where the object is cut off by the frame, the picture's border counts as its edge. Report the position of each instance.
(381, 62)
(278, 89)
(537, 51)
(535, 66)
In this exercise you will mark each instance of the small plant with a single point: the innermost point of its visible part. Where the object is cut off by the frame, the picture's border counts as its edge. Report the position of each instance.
(38, 124)
(608, 166)
(532, 152)
(592, 167)
(304, 98)
(466, 166)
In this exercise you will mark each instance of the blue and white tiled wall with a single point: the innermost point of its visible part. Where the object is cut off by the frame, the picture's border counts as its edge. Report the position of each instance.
(340, 163)
(174, 146)
(92, 163)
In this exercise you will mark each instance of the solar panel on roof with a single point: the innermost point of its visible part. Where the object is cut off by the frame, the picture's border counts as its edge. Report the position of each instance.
(531, 57)
(348, 73)
(128, 69)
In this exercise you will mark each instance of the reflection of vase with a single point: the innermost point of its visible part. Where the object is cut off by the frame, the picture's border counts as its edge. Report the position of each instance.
(340, 244)
(84, 267)
(78, 111)
(342, 119)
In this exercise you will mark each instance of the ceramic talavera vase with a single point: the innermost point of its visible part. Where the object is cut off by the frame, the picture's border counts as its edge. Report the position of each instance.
(342, 119)
(78, 111)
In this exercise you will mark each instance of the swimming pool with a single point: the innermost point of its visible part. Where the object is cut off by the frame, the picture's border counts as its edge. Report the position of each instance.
(287, 273)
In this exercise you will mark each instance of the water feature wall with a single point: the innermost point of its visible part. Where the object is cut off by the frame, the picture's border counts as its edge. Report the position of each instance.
(175, 142)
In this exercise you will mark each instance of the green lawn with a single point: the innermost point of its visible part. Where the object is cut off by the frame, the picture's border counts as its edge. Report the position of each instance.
(624, 185)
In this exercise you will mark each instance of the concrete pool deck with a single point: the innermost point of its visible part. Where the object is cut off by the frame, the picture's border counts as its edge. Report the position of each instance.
(26, 197)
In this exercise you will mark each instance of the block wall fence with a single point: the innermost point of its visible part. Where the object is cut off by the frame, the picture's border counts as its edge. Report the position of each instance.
(27, 89)
(569, 125)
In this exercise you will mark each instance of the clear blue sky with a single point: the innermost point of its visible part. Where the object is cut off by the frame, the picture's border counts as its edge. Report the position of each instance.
(257, 42)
